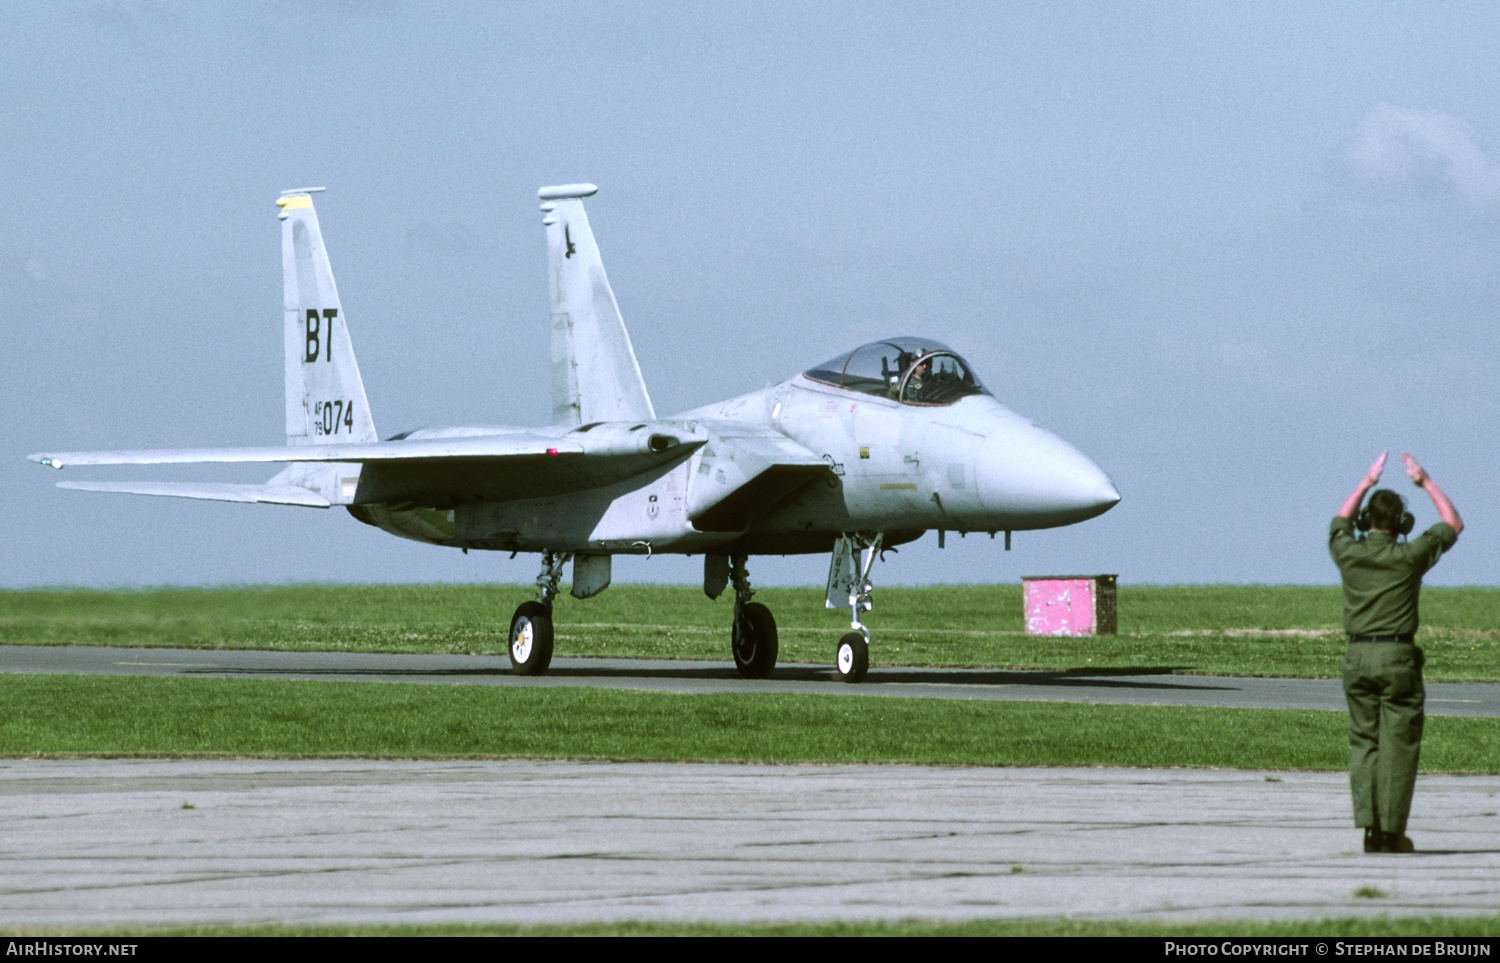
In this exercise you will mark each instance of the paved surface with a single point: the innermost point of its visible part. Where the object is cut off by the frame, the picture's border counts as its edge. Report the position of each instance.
(1469, 699)
(94, 843)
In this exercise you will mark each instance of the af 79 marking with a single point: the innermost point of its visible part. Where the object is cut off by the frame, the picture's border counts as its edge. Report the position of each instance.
(331, 417)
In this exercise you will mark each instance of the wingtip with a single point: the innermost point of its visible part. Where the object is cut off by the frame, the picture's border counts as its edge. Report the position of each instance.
(46, 460)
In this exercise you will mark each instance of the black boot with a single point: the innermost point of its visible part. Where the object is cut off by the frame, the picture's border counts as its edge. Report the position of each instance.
(1398, 843)
(1374, 840)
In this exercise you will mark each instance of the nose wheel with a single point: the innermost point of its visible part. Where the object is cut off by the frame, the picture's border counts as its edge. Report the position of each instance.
(852, 659)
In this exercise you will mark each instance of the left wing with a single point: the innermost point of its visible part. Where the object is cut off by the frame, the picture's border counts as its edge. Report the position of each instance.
(505, 445)
(437, 471)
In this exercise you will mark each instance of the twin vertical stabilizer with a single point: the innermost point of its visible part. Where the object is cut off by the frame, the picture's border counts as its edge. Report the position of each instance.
(325, 398)
(595, 376)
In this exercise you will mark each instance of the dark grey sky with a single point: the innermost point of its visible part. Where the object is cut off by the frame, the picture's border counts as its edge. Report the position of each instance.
(1230, 254)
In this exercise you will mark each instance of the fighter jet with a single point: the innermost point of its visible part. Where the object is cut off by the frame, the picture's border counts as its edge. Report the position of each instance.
(858, 454)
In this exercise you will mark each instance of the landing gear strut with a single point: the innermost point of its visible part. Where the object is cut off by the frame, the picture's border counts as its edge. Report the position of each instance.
(849, 584)
(753, 638)
(531, 626)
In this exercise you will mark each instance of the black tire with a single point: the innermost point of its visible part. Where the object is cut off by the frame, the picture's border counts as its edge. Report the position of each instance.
(754, 641)
(851, 660)
(531, 639)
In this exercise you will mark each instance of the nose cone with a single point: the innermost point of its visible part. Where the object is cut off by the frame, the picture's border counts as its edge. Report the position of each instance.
(1034, 479)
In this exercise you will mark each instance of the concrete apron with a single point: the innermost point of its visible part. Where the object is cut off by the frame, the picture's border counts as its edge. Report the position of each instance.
(92, 843)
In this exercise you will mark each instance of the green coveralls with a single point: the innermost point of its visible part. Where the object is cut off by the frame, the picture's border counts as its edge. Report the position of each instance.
(1383, 680)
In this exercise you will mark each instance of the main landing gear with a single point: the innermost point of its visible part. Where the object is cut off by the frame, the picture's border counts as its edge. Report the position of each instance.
(752, 638)
(531, 626)
(849, 584)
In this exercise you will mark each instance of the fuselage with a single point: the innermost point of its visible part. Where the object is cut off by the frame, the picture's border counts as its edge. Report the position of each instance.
(887, 466)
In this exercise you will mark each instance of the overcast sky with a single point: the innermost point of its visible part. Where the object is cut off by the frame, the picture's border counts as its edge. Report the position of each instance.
(1229, 254)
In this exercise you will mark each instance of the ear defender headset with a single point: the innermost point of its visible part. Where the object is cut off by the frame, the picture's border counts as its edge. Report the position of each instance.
(1386, 510)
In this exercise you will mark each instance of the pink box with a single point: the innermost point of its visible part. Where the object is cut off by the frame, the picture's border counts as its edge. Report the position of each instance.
(1069, 604)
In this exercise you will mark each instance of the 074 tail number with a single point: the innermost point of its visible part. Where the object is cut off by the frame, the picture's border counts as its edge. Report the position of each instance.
(331, 417)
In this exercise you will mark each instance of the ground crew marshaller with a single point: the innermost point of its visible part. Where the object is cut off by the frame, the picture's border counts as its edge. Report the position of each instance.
(1382, 667)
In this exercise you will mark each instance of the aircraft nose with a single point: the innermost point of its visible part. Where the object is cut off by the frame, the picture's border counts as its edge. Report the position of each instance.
(1034, 478)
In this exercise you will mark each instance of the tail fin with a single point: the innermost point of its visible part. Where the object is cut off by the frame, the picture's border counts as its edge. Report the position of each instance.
(325, 398)
(595, 376)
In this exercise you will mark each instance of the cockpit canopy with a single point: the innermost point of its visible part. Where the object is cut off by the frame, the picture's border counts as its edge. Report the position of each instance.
(914, 371)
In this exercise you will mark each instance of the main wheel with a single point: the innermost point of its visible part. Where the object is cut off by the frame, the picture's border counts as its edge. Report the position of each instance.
(531, 639)
(754, 641)
(852, 660)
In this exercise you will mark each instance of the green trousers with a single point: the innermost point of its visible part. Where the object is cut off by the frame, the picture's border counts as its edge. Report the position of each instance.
(1383, 685)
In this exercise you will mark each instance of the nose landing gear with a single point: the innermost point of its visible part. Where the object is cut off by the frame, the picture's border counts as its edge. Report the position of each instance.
(849, 584)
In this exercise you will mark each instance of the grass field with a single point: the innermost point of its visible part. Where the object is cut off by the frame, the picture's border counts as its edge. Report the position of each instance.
(1231, 630)
(1419, 927)
(46, 715)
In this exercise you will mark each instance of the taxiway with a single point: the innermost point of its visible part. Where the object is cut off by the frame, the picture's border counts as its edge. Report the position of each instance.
(1153, 687)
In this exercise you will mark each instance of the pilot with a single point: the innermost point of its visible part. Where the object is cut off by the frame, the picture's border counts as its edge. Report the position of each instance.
(1382, 667)
(918, 385)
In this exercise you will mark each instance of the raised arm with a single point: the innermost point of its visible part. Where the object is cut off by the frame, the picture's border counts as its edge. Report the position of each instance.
(1424, 481)
(1371, 479)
